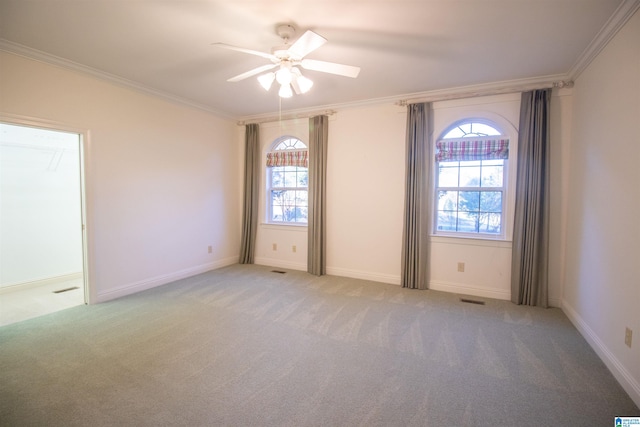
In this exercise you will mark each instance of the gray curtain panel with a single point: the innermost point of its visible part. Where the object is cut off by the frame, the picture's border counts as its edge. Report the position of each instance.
(251, 192)
(415, 236)
(530, 256)
(317, 241)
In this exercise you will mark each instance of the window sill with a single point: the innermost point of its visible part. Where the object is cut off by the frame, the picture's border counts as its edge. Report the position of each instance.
(471, 240)
(289, 227)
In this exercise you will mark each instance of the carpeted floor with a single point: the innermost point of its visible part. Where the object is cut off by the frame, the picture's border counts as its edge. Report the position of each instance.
(244, 346)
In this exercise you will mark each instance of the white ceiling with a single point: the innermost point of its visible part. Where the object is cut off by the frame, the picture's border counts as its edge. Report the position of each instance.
(402, 46)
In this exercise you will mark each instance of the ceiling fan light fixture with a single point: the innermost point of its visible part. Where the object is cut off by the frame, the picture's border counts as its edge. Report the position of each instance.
(284, 76)
(285, 91)
(304, 83)
(266, 80)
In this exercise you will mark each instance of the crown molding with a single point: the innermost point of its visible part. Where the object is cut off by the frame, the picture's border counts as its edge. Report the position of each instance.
(622, 14)
(485, 89)
(40, 56)
(620, 17)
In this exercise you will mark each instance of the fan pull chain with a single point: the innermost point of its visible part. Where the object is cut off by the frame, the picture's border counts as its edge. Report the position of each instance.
(280, 113)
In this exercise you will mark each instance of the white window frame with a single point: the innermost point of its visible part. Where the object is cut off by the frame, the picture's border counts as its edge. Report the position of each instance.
(504, 189)
(269, 188)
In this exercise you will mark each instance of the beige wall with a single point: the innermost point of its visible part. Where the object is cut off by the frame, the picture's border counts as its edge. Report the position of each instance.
(163, 183)
(160, 185)
(602, 284)
(365, 181)
(560, 144)
(365, 199)
(365, 192)
(283, 237)
(487, 262)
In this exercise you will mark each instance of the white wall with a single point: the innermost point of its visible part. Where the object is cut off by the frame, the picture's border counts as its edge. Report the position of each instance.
(284, 237)
(163, 184)
(162, 180)
(602, 285)
(365, 182)
(365, 192)
(487, 270)
(365, 199)
(560, 135)
(40, 210)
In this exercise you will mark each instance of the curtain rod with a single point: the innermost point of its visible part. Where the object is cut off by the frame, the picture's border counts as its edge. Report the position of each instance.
(426, 98)
(485, 92)
(287, 117)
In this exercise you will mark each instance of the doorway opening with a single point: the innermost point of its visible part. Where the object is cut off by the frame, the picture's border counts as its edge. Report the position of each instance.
(42, 239)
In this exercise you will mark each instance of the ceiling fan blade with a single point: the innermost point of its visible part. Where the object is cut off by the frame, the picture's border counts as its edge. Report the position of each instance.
(249, 51)
(330, 67)
(253, 72)
(306, 44)
(296, 87)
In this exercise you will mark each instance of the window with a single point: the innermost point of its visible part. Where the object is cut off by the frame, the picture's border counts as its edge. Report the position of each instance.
(287, 181)
(471, 166)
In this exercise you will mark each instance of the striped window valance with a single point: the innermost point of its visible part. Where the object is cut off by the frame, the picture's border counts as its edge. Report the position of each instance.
(472, 149)
(288, 158)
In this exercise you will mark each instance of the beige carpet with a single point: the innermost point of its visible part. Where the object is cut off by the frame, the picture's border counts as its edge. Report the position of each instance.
(243, 346)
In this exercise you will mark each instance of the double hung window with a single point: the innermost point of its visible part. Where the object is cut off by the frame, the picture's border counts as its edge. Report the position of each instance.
(471, 166)
(287, 182)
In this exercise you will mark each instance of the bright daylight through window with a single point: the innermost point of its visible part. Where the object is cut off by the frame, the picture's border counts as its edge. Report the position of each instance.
(471, 165)
(287, 181)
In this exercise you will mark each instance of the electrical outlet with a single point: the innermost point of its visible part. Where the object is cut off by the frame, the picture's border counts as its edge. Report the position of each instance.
(274, 246)
(210, 249)
(293, 248)
(461, 267)
(628, 333)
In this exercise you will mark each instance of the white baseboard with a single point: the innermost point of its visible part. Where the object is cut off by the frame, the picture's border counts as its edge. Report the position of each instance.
(364, 275)
(333, 271)
(11, 287)
(153, 282)
(624, 377)
(273, 262)
(476, 291)
(555, 302)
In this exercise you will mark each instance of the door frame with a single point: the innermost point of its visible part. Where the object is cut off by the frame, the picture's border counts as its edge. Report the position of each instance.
(85, 214)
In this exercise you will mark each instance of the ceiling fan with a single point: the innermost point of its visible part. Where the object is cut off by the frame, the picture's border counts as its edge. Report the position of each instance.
(287, 58)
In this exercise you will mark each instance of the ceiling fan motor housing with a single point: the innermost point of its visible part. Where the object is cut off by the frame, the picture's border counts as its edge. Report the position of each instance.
(286, 32)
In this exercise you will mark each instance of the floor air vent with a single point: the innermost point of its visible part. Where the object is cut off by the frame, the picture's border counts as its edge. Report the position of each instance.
(278, 271)
(65, 290)
(472, 301)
